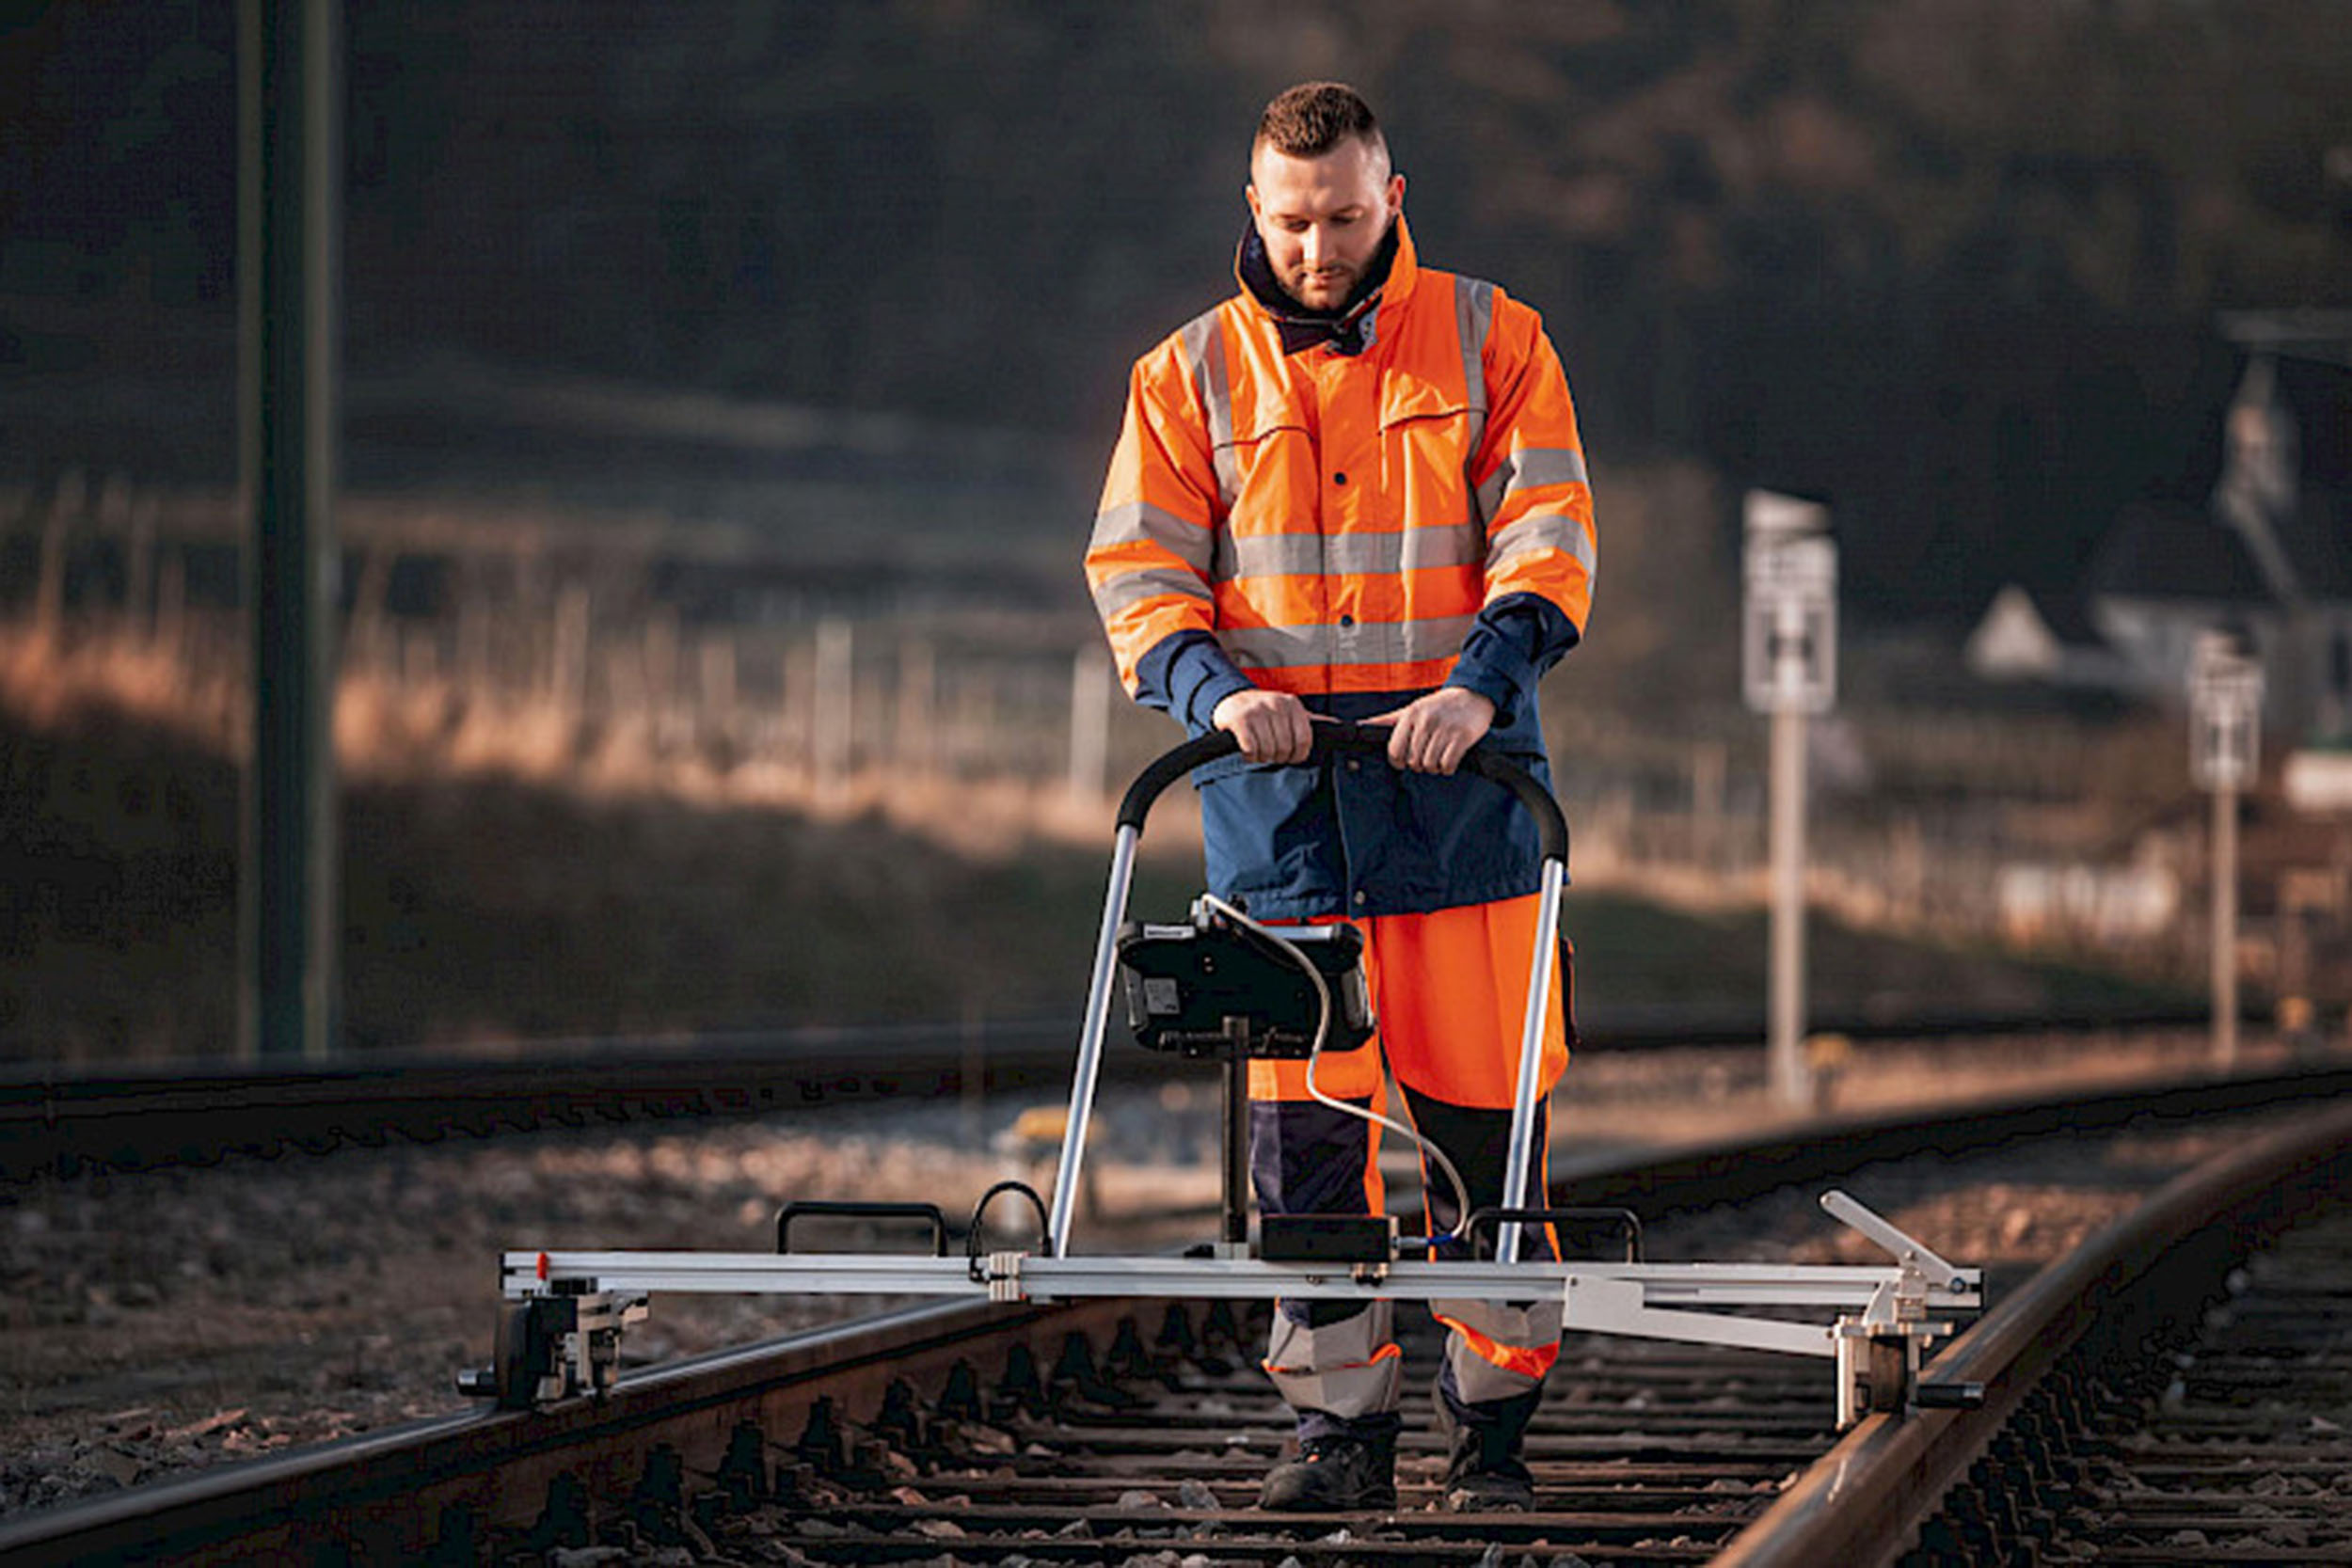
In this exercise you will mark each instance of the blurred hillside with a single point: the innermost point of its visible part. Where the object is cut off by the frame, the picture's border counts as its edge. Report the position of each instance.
(1952, 263)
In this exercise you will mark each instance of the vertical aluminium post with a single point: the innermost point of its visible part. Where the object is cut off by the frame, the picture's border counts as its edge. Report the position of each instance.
(1074, 1138)
(289, 175)
(1785, 1051)
(1789, 670)
(1519, 1165)
(2225, 689)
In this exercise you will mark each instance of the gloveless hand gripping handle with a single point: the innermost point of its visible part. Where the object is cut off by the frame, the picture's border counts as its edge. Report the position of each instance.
(1335, 737)
(1329, 738)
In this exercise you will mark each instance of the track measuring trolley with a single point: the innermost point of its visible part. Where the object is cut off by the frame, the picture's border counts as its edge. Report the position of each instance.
(1225, 987)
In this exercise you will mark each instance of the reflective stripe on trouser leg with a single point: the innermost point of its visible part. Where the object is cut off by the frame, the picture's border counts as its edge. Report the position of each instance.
(1350, 1369)
(1497, 1352)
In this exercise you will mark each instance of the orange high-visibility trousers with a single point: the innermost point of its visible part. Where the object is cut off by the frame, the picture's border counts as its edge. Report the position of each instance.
(1449, 991)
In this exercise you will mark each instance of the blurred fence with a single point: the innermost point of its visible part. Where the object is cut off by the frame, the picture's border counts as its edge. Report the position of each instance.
(512, 641)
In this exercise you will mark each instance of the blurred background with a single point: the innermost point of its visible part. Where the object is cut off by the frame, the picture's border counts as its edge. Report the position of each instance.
(726, 383)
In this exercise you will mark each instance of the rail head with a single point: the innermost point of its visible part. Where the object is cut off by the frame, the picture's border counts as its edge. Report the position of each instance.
(1865, 1500)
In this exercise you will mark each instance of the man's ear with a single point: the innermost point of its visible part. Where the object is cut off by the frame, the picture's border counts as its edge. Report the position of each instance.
(1396, 194)
(1250, 193)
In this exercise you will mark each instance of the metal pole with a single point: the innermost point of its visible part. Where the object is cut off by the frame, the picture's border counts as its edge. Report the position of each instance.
(2225, 928)
(1073, 1137)
(1520, 1160)
(290, 102)
(1785, 1043)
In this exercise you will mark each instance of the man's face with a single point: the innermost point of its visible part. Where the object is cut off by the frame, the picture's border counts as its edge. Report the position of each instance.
(1322, 218)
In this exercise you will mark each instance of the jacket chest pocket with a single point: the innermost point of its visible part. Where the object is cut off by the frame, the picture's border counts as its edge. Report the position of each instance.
(1424, 462)
(1266, 471)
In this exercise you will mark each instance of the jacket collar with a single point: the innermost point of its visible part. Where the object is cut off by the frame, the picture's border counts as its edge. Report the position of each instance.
(1351, 327)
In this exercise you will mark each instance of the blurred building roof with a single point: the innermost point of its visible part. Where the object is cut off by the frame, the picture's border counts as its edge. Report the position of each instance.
(2268, 554)
(2171, 550)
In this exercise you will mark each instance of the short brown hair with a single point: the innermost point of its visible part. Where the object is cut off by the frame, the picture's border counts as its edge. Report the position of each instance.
(1312, 118)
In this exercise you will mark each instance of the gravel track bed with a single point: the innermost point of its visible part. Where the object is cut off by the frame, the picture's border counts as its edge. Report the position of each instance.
(155, 1322)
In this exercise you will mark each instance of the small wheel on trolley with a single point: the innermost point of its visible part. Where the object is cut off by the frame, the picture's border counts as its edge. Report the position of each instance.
(523, 1360)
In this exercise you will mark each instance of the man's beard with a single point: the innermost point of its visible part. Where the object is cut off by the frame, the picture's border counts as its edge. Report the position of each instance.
(1332, 284)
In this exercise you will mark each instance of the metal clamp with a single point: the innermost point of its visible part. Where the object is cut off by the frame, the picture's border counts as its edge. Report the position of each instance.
(1003, 1278)
(1879, 1352)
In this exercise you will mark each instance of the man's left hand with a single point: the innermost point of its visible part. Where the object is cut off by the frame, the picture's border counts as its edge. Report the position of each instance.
(1434, 731)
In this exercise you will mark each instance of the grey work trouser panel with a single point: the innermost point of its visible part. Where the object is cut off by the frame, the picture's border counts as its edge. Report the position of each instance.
(1349, 1368)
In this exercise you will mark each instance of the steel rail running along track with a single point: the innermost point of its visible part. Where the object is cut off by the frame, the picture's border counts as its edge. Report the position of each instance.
(58, 1118)
(1108, 1430)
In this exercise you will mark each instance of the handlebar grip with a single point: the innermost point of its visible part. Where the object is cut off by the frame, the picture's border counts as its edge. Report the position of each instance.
(1167, 768)
(1334, 737)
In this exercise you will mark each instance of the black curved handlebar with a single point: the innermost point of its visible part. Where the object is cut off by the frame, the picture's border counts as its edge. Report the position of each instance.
(1334, 737)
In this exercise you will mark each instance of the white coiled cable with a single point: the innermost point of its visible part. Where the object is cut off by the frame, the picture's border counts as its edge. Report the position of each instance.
(1314, 1056)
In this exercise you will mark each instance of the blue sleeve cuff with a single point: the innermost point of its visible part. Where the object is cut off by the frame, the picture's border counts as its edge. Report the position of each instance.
(1186, 676)
(1514, 639)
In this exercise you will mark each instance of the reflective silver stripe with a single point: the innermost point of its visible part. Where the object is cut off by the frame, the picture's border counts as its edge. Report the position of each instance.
(1134, 522)
(1367, 642)
(1526, 470)
(1276, 555)
(1544, 531)
(1204, 350)
(1276, 647)
(1473, 315)
(1521, 1329)
(1131, 588)
(1456, 545)
(1339, 1367)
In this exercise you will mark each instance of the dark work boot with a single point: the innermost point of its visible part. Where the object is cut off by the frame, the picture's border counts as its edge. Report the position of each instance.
(1484, 1473)
(1334, 1474)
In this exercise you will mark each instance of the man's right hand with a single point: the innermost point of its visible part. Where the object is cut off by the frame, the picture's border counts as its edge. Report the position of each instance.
(1272, 726)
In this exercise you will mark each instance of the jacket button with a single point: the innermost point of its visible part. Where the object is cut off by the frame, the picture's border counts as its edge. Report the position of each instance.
(1359, 895)
(1339, 478)
(1347, 620)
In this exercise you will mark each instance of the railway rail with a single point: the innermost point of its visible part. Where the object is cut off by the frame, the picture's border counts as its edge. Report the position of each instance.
(53, 1117)
(1130, 1432)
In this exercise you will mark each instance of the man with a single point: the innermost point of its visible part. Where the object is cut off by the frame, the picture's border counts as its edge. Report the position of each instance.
(1355, 490)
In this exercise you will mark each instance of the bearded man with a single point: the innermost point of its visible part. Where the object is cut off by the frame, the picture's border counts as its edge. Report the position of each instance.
(1355, 490)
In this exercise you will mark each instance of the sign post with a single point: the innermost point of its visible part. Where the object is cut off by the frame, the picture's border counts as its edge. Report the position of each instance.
(1789, 669)
(2225, 695)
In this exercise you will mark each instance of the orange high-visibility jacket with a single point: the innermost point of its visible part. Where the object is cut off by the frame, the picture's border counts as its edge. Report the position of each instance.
(1336, 522)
